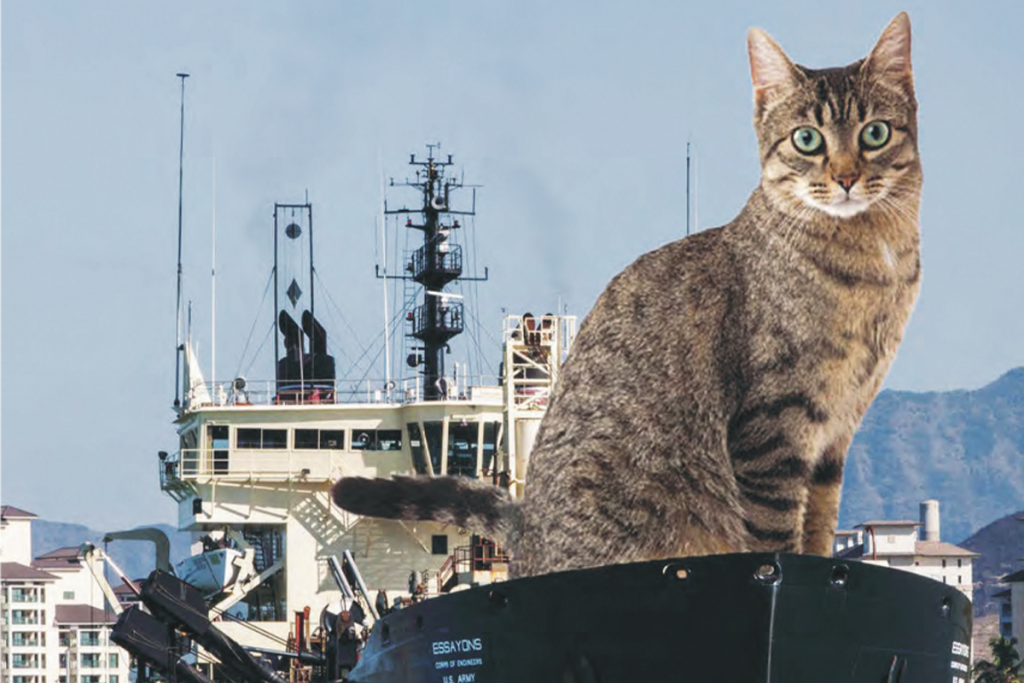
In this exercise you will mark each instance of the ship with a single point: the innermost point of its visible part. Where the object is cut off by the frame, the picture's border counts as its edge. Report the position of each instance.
(256, 458)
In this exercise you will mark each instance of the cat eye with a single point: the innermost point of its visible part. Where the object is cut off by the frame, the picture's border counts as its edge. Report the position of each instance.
(808, 140)
(874, 135)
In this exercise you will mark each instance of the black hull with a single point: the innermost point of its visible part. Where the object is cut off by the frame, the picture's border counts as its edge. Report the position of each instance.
(812, 619)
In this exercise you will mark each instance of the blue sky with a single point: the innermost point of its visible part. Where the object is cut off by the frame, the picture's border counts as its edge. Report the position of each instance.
(573, 116)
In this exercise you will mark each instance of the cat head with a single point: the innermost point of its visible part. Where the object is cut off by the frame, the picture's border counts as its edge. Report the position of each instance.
(839, 141)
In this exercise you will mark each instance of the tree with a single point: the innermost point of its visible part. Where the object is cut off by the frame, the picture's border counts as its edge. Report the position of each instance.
(1005, 666)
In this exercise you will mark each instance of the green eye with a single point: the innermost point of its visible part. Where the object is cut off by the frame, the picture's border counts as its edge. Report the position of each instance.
(808, 140)
(874, 135)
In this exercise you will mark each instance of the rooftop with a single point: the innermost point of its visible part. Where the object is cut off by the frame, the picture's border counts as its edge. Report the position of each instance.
(61, 558)
(921, 549)
(883, 523)
(15, 571)
(942, 549)
(1015, 577)
(11, 512)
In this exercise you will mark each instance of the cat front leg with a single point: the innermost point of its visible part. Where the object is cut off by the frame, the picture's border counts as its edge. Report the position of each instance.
(823, 493)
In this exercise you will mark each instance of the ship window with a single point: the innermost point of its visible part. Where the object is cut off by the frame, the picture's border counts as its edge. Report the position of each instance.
(389, 439)
(439, 544)
(490, 445)
(307, 438)
(419, 455)
(377, 439)
(462, 440)
(332, 439)
(323, 439)
(275, 438)
(248, 438)
(433, 431)
(256, 438)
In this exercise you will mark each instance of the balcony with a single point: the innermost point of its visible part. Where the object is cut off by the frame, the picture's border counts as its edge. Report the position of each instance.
(445, 263)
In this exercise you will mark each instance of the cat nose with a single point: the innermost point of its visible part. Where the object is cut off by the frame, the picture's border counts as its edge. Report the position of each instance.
(846, 180)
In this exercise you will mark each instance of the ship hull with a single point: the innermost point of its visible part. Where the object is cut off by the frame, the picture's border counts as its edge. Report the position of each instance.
(742, 617)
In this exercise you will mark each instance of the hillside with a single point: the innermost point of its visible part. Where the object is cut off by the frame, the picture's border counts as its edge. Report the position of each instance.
(136, 558)
(962, 448)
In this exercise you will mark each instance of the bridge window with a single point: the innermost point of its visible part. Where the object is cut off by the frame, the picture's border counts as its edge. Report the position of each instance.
(256, 438)
(433, 431)
(462, 441)
(419, 454)
(376, 439)
(322, 439)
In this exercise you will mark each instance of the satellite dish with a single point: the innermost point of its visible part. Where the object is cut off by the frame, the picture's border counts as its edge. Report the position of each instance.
(293, 231)
(239, 384)
(437, 203)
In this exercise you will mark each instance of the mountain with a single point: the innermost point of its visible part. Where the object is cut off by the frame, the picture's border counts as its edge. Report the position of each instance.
(1001, 545)
(135, 558)
(962, 448)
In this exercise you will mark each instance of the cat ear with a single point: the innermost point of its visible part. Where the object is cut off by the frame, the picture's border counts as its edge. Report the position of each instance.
(770, 68)
(890, 60)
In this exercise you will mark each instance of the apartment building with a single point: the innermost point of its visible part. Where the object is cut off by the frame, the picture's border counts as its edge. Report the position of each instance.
(54, 621)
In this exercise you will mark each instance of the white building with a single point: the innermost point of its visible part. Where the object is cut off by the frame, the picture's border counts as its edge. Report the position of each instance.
(55, 624)
(1011, 604)
(912, 546)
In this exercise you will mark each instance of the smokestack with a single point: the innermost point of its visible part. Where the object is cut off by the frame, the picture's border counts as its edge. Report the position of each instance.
(930, 520)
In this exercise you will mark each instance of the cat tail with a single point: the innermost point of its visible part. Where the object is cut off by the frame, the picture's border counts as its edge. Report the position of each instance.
(469, 504)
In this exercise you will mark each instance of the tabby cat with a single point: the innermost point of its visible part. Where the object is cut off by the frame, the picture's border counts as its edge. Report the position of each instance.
(710, 397)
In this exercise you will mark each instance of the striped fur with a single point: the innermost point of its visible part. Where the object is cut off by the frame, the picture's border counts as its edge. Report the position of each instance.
(712, 392)
(466, 503)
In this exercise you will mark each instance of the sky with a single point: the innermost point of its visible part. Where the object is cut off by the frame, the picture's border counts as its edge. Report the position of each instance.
(573, 118)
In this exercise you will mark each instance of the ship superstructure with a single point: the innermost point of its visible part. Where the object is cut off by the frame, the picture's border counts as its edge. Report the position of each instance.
(256, 458)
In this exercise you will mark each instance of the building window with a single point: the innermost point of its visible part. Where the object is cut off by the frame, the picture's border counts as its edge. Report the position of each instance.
(24, 661)
(113, 661)
(1006, 629)
(24, 616)
(959, 563)
(62, 660)
(25, 639)
(1006, 610)
(256, 438)
(112, 678)
(960, 579)
(91, 660)
(25, 594)
(91, 679)
(439, 544)
(64, 638)
(69, 595)
(943, 564)
(89, 638)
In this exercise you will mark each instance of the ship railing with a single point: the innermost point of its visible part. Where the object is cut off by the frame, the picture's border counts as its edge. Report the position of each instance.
(245, 393)
(187, 465)
(481, 555)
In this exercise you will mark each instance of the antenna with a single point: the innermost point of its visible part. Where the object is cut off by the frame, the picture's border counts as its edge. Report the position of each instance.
(687, 189)
(177, 322)
(434, 265)
(384, 281)
(213, 281)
